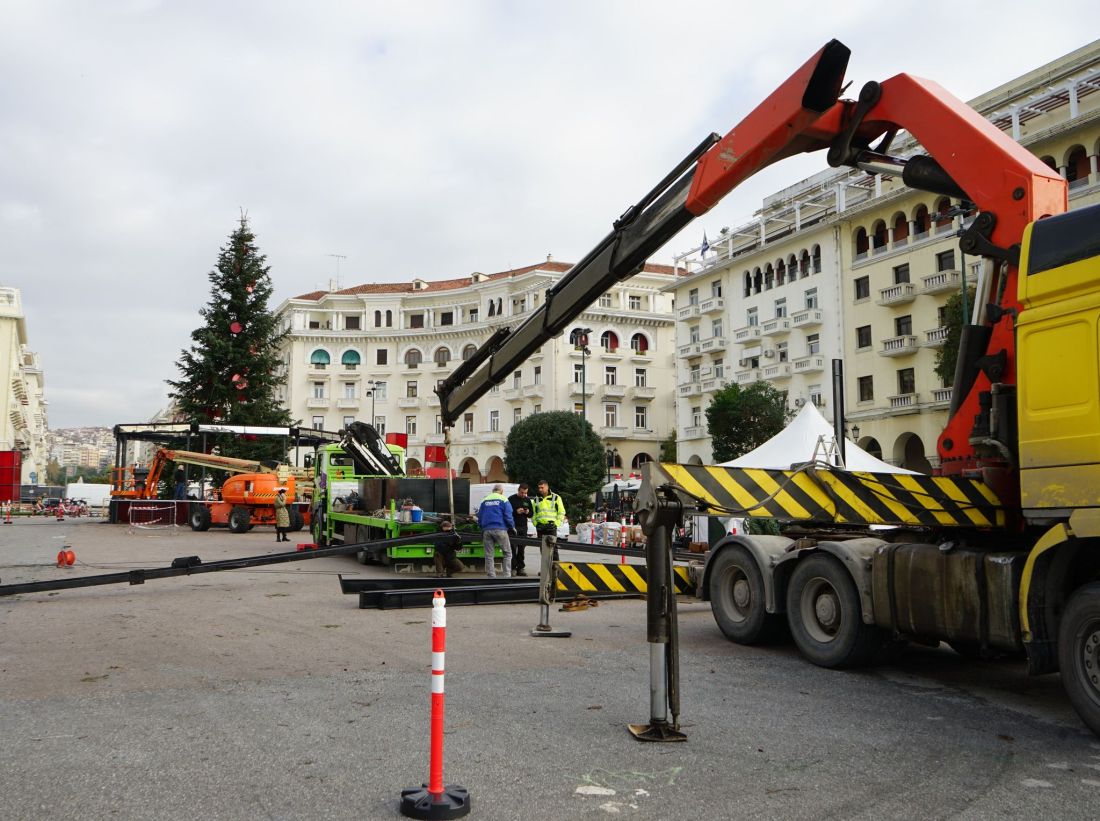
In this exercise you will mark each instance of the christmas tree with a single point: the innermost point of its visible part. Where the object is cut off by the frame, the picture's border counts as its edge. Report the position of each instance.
(232, 370)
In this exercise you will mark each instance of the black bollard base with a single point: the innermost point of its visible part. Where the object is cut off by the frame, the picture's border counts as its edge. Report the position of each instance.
(660, 731)
(453, 802)
(546, 631)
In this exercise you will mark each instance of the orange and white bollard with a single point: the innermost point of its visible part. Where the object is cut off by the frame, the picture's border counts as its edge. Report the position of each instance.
(623, 543)
(60, 512)
(434, 800)
(7, 513)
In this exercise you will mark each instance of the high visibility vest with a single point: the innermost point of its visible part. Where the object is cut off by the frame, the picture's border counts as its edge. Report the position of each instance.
(548, 510)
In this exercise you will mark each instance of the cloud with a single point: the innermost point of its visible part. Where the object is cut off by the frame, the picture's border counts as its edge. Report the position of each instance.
(429, 139)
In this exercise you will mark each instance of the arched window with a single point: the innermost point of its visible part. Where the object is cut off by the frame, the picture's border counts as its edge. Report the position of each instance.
(413, 357)
(1077, 166)
(577, 338)
(769, 277)
(609, 341)
(878, 239)
(757, 280)
(377, 319)
(468, 351)
(350, 360)
(492, 307)
(780, 272)
(922, 221)
(639, 343)
(862, 243)
(748, 283)
(1049, 160)
(640, 460)
(943, 205)
(815, 259)
(319, 359)
(901, 229)
(442, 355)
(500, 306)
(389, 319)
(804, 264)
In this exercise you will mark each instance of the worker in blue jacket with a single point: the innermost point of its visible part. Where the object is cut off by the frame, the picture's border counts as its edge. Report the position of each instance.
(494, 517)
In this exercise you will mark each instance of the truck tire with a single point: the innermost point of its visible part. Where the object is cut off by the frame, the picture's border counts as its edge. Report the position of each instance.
(824, 614)
(1079, 653)
(297, 521)
(318, 529)
(199, 517)
(737, 601)
(240, 519)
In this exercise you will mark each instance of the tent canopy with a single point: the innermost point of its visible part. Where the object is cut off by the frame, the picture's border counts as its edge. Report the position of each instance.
(797, 443)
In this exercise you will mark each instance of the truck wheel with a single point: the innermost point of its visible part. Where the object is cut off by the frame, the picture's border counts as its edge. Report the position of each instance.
(1079, 653)
(737, 599)
(240, 518)
(200, 517)
(825, 616)
(297, 521)
(318, 529)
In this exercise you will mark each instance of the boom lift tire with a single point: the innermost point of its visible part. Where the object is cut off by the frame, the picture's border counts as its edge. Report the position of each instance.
(240, 519)
(824, 614)
(199, 517)
(1079, 653)
(737, 599)
(297, 521)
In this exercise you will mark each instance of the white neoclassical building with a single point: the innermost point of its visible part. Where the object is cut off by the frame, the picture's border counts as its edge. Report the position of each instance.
(376, 352)
(23, 406)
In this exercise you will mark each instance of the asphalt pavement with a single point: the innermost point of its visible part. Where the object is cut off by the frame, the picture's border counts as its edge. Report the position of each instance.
(265, 693)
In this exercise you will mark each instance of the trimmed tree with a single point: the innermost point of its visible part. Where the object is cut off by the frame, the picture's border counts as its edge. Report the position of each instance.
(563, 449)
(948, 355)
(232, 369)
(741, 419)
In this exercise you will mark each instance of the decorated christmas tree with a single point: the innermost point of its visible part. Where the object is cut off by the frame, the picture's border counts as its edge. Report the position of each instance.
(232, 371)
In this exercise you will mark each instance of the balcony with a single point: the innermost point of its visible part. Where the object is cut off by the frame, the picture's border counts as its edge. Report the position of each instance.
(713, 305)
(408, 402)
(809, 318)
(747, 377)
(691, 389)
(534, 391)
(639, 356)
(688, 312)
(612, 391)
(935, 337)
(433, 400)
(899, 346)
(643, 392)
(747, 334)
(710, 385)
(897, 294)
(492, 436)
(347, 403)
(611, 432)
(940, 282)
(780, 370)
(611, 353)
(695, 432)
(582, 388)
(434, 439)
(809, 364)
(716, 344)
(776, 327)
(512, 394)
(941, 396)
(903, 403)
(317, 369)
(691, 349)
(315, 402)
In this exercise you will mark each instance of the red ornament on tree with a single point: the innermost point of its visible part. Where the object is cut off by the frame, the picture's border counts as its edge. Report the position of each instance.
(235, 328)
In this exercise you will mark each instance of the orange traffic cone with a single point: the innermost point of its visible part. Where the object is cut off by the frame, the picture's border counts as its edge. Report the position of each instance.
(66, 557)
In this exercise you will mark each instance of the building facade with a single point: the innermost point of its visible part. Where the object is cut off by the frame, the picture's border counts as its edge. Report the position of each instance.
(377, 351)
(895, 263)
(23, 406)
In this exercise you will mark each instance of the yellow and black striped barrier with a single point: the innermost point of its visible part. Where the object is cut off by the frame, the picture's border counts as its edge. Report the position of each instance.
(597, 577)
(820, 494)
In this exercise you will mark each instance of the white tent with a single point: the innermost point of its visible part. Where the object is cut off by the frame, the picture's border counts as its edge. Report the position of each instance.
(809, 432)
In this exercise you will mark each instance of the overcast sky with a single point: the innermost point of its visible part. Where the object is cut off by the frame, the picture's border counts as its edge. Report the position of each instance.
(427, 139)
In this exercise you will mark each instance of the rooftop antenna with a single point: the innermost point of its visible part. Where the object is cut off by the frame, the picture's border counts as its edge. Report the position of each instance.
(338, 257)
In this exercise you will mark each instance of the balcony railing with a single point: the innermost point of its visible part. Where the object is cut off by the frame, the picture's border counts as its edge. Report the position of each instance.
(612, 432)
(780, 370)
(897, 294)
(808, 364)
(941, 396)
(643, 392)
(904, 402)
(747, 377)
(808, 318)
(695, 432)
(534, 391)
(408, 402)
(940, 282)
(691, 389)
(776, 327)
(493, 435)
(713, 345)
(746, 334)
(317, 402)
(713, 305)
(613, 391)
(899, 346)
(347, 403)
(688, 312)
(578, 388)
(691, 349)
(935, 337)
(511, 394)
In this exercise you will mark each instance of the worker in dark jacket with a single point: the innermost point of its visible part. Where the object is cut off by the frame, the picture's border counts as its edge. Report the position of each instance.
(522, 510)
(447, 546)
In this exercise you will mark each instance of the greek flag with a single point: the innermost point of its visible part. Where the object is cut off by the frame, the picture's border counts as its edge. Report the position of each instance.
(705, 246)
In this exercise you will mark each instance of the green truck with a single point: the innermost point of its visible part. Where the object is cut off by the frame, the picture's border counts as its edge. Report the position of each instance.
(362, 495)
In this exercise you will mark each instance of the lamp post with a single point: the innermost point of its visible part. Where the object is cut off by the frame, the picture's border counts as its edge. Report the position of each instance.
(961, 210)
(610, 454)
(370, 393)
(582, 338)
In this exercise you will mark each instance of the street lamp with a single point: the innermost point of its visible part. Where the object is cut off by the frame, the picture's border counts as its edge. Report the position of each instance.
(611, 455)
(961, 210)
(582, 338)
(370, 392)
